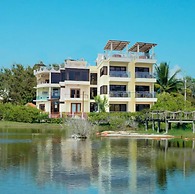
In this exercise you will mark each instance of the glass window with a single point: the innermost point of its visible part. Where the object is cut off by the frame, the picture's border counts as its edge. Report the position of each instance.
(93, 78)
(118, 107)
(55, 77)
(75, 93)
(93, 93)
(140, 107)
(103, 89)
(75, 107)
(77, 74)
(141, 69)
(117, 87)
(103, 71)
(142, 88)
(42, 107)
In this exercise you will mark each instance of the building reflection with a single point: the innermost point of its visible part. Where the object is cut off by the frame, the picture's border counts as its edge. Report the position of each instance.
(111, 165)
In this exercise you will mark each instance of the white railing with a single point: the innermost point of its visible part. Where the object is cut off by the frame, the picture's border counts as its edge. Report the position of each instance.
(119, 74)
(144, 75)
(145, 94)
(123, 94)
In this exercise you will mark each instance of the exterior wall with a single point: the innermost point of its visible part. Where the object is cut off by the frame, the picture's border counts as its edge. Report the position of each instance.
(47, 105)
(65, 97)
(44, 86)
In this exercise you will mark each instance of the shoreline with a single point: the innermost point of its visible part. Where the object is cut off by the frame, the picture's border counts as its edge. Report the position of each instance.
(135, 135)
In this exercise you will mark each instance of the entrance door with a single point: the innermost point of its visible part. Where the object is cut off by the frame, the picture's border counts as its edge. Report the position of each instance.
(75, 107)
(54, 107)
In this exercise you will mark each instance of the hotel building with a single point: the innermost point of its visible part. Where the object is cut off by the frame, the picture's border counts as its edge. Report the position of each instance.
(123, 74)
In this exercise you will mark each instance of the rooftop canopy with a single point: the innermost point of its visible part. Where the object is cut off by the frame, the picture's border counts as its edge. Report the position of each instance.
(143, 47)
(116, 45)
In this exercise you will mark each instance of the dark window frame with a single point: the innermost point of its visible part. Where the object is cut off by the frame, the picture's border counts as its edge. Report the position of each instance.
(104, 89)
(104, 71)
(118, 107)
(75, 93)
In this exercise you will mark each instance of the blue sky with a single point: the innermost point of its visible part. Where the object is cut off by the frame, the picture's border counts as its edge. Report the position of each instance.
(53, 30)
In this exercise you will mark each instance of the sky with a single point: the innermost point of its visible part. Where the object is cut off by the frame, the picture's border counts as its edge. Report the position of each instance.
(54, 30)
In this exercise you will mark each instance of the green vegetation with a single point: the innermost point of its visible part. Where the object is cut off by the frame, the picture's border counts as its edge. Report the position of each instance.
(17, 85)
(26, 114)
(172, 102)
(114, 120)
(38, 126)
(102, 103)
(164, 81)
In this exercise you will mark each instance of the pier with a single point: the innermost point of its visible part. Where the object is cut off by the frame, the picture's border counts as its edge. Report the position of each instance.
(169, 117)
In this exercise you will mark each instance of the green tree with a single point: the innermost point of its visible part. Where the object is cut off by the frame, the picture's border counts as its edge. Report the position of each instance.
(164, 81)
(189, 90)
(16, 84)
(101, 102)
(171, 102)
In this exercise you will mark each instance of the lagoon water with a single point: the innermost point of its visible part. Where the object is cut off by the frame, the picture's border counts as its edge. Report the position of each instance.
(37, 163)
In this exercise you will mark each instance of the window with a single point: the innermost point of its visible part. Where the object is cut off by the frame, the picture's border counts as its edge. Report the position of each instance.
(44, 92)
(118, 107)
(103, 90)
(75, 107)
(62, 75)
(93, 107)
(117, 68)
(93, 93)
(56, 93)
(117, 88)
(142, 69)
(142, 88)
(55, 77)
(140, 107)
(77, 74)
(103, 71)
(93, 78)
(55, 106)
(42, 107)
(75, 93)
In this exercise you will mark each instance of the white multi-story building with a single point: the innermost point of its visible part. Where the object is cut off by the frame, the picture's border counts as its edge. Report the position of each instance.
(123, 74)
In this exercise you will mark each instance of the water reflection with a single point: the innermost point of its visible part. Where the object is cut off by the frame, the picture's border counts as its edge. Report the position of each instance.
(107, 165)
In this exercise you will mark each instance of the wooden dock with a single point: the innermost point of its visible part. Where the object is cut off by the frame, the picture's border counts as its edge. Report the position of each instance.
(169, 117)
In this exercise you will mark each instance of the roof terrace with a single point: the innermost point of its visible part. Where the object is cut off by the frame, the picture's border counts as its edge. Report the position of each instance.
(118, 50)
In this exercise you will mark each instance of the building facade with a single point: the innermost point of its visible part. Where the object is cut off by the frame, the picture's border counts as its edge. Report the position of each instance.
(123, 74)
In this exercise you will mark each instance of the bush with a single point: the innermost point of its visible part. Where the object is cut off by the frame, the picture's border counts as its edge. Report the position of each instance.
(21, 113)
(115, 120)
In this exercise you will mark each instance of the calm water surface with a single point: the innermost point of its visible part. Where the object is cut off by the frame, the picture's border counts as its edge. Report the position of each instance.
(52, 163)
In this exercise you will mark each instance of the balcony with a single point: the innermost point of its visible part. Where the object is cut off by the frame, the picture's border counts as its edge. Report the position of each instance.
(120, 94)
(42, 98)
(144, 75)
(119, 74)
(145, 94)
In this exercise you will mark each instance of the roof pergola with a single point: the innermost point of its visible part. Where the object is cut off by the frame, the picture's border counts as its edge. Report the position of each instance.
(142, 47)
(116, 45)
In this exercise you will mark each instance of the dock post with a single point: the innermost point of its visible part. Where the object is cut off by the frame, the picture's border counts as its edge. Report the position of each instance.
(158, 126)
(146, 125)
(167, 126)
(153, 125)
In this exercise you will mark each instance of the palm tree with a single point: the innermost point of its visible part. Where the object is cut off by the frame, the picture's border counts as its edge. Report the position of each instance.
(165, 82)
(101, 102)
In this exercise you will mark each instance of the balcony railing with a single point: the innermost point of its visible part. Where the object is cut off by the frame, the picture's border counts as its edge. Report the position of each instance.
(136, 55)
(42, 97)
(144, 75)
(145, 94)
(43, 82)
(119, 74)
(122, 94)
